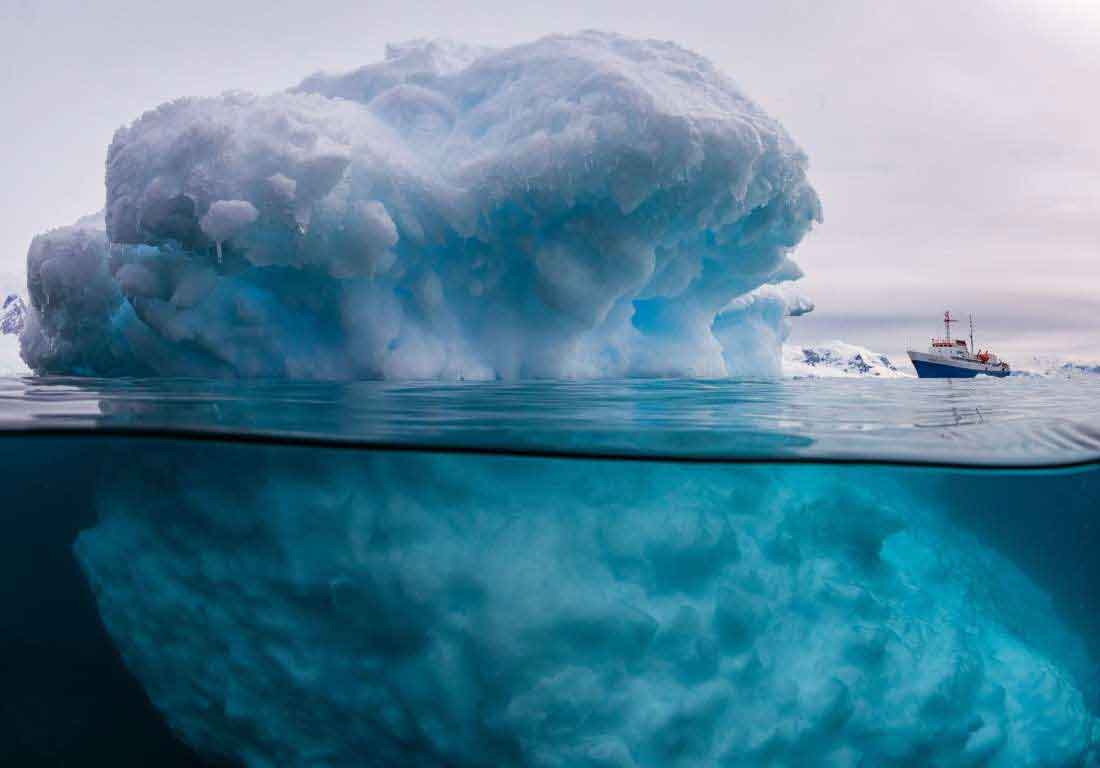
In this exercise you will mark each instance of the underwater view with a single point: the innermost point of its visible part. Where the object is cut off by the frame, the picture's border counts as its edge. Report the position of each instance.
(677, 573)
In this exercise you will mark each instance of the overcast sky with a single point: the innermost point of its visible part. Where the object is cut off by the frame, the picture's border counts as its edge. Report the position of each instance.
(955, 145)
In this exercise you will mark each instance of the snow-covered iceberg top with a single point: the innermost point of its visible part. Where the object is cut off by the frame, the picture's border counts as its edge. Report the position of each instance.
(583, 205)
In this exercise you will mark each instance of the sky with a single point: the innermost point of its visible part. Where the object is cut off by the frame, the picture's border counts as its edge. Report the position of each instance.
(954, 144)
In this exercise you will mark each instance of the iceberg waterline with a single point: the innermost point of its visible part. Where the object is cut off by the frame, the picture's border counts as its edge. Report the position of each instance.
(298, 607)
(584, 205)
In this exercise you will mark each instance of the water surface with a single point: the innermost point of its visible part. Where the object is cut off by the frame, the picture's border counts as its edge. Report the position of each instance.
(640, 573)
(981, 422)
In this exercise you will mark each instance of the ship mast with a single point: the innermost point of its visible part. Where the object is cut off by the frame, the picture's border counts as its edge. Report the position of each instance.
(947, 320)
(972, 335)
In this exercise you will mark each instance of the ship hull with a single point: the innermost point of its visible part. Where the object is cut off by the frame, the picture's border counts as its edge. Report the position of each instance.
(935, 367)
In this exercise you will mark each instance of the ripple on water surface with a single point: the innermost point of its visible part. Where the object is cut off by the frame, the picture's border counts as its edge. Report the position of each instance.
(1014, 422)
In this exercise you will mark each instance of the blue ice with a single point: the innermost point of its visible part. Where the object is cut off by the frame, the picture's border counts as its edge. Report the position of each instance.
(303, 607)
(580, 206)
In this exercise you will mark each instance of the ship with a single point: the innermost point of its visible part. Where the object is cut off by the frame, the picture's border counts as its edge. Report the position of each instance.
(949, 358)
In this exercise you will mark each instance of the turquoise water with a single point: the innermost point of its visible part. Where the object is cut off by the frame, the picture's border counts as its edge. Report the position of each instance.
(626, 573)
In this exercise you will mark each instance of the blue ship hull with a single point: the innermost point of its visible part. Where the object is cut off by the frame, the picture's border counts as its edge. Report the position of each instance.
(926, 370)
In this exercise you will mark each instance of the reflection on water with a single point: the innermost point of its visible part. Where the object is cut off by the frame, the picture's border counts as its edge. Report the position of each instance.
(983, 421)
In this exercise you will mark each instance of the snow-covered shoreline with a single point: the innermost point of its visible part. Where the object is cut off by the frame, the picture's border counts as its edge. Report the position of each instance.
(839, 359)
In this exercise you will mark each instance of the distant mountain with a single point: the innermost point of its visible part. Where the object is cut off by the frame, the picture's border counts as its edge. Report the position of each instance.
(1078, 369)
(1051, 367)
(13, 314)
(838, 359)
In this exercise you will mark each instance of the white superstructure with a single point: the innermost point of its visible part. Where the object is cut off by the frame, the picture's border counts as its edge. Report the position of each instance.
(953, 359)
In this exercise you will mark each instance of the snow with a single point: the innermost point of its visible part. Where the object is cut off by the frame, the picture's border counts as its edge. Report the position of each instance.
(11, 363)
(1071, 370)
(839, 359)
(13, 315)
(1053, 366)
(580, 206)
(12, 320)
(302, 607)
(229, 218)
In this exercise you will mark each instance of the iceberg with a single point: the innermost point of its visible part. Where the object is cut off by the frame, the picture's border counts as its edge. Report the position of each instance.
(296, 606)
(581, 206)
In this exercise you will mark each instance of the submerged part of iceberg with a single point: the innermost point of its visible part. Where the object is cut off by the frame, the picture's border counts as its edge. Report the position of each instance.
(579, 206)
(310, 607)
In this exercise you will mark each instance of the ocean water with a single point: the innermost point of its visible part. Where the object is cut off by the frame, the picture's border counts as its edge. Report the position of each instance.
(609, 573)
